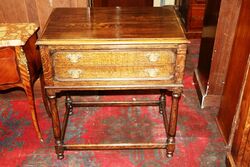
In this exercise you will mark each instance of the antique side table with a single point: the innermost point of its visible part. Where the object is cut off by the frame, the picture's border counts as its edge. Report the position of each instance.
(86, 49)
(20, 62)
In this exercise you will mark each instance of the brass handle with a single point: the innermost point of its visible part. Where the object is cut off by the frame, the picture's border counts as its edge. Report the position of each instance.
(75, 73)
(152, 72)
(74, 57)
(153, 57)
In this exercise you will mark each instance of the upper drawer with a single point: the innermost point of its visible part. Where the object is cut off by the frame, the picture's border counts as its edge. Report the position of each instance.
(115, 58)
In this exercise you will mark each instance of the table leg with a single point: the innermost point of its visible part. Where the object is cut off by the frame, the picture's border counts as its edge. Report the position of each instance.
(163, 111)
(30, 96)
(27, 85)
(69, 109)
(44, 96)
(56, 127)
(172, 124)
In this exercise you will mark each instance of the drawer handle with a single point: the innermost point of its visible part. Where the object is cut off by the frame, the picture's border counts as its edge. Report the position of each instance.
(152, 72)
(153, 57)
(75, 73)
(73, 58)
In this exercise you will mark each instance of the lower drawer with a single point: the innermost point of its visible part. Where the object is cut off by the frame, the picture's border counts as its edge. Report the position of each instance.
(114, 73)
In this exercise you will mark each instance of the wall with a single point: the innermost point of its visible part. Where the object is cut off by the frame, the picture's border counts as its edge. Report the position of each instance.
(44, 7)
(36, 11)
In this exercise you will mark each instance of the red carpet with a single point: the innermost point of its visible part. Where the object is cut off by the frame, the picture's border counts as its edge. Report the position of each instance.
(198, 142)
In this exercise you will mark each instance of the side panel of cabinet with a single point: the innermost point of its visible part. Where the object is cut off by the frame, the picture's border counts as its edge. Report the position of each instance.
(236, 69)
(210, 84)
(234, 113)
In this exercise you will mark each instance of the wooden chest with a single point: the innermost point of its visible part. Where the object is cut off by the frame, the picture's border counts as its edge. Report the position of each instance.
(112, 49)
(192, 15)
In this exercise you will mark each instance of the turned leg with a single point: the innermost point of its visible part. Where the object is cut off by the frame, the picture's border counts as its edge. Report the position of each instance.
(163, 111)
(172, 124)
(69, 105)
(69, 108)
(56, 127)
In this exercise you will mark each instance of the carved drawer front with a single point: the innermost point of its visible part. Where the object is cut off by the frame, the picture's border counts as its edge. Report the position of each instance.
(100, 65)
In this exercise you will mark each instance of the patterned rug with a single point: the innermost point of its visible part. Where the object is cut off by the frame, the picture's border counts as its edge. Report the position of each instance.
(198, 141)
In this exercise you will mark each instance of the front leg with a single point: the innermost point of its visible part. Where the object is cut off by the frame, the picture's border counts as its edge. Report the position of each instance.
(172, 124)
(56, 127)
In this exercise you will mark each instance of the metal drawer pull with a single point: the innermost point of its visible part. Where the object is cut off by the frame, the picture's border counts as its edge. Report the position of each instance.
(73, 58)
(153, 57)
(75, 73)
(152, 72)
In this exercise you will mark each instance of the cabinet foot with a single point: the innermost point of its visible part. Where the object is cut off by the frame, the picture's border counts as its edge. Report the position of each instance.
(170, 146)
(60, 156)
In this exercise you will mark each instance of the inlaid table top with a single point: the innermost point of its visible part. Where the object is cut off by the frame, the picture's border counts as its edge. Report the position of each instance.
(16, 34)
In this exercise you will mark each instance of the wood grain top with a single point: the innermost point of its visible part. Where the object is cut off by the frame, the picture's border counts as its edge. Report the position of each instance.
(112, 25)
